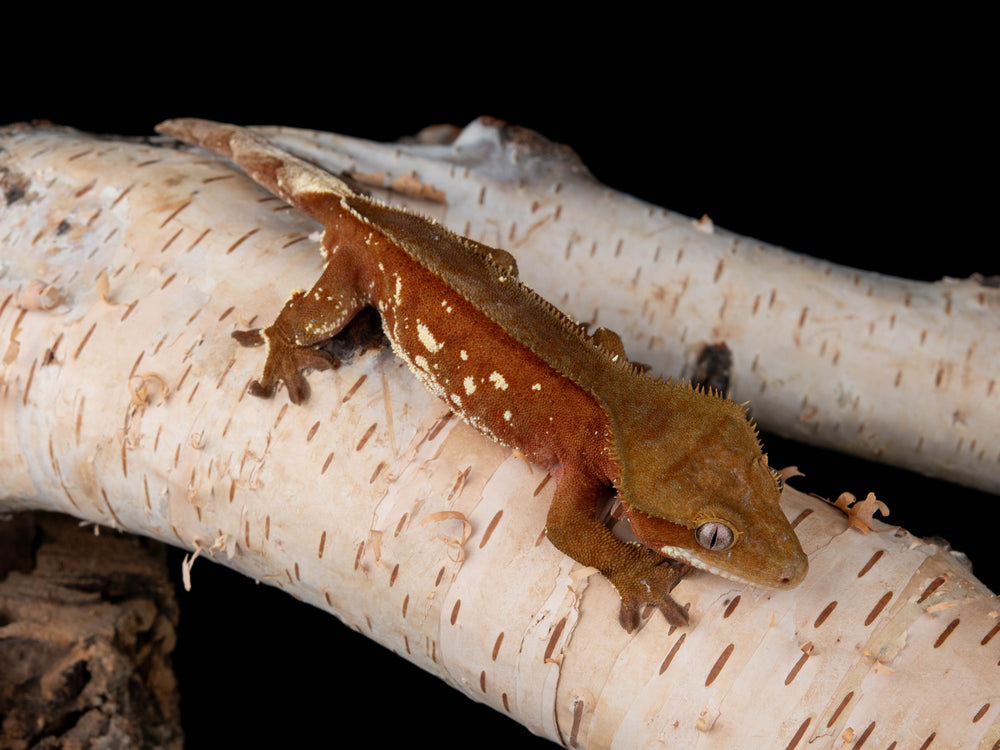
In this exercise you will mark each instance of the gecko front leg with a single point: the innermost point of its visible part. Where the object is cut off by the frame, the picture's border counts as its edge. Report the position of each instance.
(307, 319)
(641, 576)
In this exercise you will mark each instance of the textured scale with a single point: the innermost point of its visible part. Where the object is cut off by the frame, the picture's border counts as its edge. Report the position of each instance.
(686, 464)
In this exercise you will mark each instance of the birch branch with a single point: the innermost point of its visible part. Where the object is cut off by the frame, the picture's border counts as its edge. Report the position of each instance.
(126, 265)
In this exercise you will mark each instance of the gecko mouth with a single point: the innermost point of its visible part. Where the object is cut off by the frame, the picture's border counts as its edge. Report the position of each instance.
(679, 553)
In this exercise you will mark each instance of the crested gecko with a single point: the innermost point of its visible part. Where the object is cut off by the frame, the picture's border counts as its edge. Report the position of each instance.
(686, 462)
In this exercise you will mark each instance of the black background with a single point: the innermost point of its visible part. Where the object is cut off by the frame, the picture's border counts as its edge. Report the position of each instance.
(863, 140)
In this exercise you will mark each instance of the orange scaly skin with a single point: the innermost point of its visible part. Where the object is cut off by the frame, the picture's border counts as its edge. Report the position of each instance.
(686, 464)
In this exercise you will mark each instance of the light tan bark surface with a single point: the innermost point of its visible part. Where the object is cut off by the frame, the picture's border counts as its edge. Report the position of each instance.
(123, 403)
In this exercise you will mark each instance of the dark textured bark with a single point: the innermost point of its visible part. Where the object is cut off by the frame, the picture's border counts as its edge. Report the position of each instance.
(87, 625)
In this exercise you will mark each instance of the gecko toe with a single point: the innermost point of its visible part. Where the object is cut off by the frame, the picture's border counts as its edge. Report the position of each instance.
(260, 390)
(633, 607)
(297, 361)
(298, 388)
(252, 337)
(652, 587)
(630, 614)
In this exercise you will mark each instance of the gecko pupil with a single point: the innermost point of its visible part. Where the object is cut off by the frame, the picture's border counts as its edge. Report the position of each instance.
(715, 536)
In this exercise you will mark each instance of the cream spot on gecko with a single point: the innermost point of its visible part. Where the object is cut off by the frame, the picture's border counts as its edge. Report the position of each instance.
(498, 381)
(457, 400)
(536, 387)
(463, 354)
(507, 415)
(427, 338)
(470, 385)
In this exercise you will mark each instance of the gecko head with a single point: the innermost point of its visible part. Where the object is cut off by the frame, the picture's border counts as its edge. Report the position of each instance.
(697, 488)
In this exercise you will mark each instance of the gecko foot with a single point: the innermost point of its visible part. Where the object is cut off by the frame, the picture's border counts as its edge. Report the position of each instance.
(652, 586)
(285, 363)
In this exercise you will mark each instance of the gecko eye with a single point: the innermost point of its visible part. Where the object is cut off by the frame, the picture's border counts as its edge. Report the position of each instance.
(715, 536)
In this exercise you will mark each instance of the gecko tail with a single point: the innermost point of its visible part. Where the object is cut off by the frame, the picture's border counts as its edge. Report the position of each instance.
(294, 180)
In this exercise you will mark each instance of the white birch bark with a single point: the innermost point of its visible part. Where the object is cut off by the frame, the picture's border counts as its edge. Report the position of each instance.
(123, 403)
